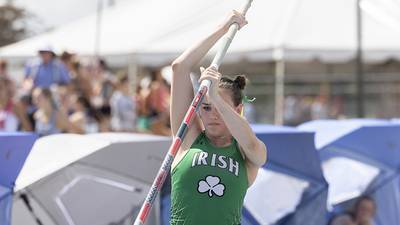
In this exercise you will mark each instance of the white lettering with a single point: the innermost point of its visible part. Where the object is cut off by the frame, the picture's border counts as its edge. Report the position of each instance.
(221, 159)
(232, 165)
(194, 159)
(202, 158)
(214, 156)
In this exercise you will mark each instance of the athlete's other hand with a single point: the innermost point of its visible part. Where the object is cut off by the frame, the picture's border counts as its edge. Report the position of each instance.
(234, 17)
(214, 76)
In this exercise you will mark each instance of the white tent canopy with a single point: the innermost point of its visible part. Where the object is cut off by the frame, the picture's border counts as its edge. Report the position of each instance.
(300, 29)
(48, 155)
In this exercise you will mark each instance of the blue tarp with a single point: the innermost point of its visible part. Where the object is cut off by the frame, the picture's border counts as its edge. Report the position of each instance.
(292, 179)
(373, 146)
(14, 149)
(5, 205)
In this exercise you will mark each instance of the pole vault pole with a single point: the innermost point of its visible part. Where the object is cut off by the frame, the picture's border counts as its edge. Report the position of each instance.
(178, 139)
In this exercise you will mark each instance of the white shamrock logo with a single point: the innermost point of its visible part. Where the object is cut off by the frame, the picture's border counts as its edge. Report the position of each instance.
(212, 186)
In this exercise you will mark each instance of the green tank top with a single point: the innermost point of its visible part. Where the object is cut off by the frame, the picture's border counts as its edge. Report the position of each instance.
(209, 185)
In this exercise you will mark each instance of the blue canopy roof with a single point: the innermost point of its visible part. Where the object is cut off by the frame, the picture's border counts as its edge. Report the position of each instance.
(14, 149)
(292, 152)
(376, 140)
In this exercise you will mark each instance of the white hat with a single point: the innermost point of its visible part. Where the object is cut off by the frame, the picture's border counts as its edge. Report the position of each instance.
(46, 48)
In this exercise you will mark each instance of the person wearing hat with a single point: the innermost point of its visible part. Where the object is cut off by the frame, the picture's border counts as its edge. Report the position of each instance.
(46, 71)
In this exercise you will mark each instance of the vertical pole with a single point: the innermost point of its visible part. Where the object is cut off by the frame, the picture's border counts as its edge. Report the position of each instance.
(98, 28)
(359, 62)
(133, 72)
(279, 91)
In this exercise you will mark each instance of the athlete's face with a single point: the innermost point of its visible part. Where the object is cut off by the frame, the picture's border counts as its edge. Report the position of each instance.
(211, 118)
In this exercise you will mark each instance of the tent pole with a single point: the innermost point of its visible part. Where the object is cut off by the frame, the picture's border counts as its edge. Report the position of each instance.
(133, 72)
(359, 62)
(98, 28)
(279, 89)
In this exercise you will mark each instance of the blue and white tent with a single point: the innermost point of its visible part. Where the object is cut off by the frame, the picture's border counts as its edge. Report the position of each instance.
(290, 188)
(14, 148)
(359, 157)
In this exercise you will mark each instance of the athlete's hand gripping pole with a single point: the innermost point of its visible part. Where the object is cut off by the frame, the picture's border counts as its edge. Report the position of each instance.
(178, 138)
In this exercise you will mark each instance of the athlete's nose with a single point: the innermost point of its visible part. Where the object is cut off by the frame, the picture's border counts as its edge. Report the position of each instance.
(214, 114)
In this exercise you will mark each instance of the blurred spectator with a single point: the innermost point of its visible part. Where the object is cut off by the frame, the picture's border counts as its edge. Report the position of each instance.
(103, 85)
(66, 59)
(143, 120)
(8, 118)
(305, 109)
(249, 112)
(12, 115)
(3, 68)
(45, 71)
(157, 103)
(83, 119)
(336, 108)
(62, 97)
(291, 111)
(123, 109)
(4, 73)
(319, 108)
(49, 117)
(80, 80)
(362, 214)
(109, 81)
(28, 110)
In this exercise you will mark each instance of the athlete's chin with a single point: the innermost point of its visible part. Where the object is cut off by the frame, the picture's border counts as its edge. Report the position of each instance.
(215, 130)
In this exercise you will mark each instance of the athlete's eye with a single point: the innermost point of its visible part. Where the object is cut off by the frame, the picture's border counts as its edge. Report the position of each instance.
(207, 108)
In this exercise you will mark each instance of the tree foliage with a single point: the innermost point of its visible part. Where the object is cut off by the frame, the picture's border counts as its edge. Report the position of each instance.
(12, 24)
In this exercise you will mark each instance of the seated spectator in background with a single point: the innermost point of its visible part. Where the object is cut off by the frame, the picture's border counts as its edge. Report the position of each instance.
(49, 118)
(45, 71)
(83, 120)
(123, 109)
(8, 117)
(362, 213)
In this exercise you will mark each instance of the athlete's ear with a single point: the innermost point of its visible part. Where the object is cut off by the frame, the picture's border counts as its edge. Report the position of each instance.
(239, 109)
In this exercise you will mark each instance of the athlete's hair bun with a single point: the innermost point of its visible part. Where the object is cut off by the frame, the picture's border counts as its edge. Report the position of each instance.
(240, 81)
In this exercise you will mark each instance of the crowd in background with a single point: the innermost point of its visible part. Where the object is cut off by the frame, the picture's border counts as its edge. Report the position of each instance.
(299, 109)
(67, 94)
